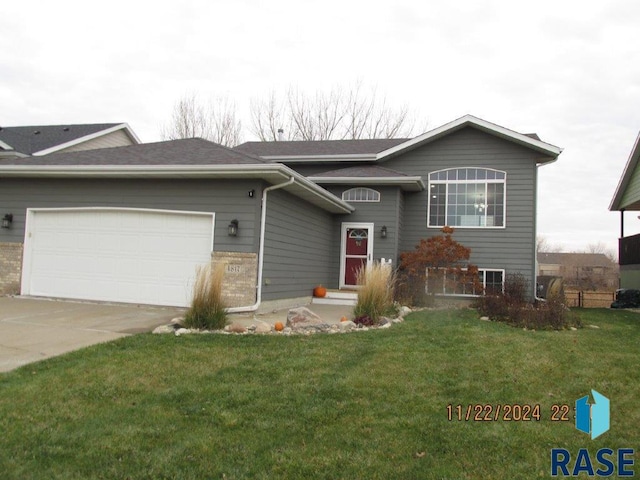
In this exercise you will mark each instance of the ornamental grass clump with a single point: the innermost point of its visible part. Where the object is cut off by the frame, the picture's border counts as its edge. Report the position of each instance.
(207, 309)
(375, 295)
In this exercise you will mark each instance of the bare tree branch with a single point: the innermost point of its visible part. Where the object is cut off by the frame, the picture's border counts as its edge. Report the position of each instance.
(216, 121)
(342, 113)
(268, 115)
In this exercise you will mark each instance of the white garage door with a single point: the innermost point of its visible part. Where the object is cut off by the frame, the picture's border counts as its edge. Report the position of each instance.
(119, 255)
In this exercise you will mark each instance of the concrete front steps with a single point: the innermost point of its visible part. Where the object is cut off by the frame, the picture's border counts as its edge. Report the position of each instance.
(337, 297)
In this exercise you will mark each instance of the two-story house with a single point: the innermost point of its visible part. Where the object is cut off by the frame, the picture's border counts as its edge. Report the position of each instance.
(131, 223)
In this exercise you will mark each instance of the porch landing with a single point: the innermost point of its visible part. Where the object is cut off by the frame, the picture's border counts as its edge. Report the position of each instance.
(337, 297)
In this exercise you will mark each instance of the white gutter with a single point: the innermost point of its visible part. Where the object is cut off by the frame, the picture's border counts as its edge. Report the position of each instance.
(263, 223)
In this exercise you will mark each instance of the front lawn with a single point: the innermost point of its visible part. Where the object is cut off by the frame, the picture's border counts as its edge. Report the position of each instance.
(360, 405)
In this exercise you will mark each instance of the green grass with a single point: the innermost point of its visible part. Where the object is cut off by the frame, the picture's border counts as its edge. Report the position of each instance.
(360, 405)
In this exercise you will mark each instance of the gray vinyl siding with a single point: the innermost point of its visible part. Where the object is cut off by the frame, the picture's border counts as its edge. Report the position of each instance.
(301, 250)
(510, 248)
(632, 192)
(228, 199)
(114, 139)
(380, 213)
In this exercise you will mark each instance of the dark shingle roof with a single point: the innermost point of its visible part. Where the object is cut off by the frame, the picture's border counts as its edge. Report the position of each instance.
(191, 151)
(369, 171)
(31, 139)
(320, 147)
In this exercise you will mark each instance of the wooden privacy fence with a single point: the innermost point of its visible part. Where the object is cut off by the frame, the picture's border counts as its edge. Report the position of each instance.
(589, 299)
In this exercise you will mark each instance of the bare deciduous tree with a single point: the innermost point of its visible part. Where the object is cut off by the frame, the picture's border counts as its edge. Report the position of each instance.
(268, 116)
(601, 247)
(342, 113)
(543, 246)
(216, 121)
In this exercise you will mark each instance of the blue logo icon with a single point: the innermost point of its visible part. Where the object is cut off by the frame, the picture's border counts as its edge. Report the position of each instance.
(592, 418)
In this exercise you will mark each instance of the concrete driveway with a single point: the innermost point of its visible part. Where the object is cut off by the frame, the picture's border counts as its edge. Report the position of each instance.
(34, 329)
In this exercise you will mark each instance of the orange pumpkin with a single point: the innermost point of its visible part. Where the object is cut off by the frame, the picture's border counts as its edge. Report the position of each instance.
(344, 319)
(319, 291)
(278, 326)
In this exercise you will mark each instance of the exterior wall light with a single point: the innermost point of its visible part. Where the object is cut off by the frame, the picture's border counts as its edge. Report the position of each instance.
(251, 193)
(7, 220)
(383, 232)
(233, 228)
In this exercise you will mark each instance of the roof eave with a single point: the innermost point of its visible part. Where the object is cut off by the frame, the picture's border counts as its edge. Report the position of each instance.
(319, 158)
(86, 138)
(408, 184)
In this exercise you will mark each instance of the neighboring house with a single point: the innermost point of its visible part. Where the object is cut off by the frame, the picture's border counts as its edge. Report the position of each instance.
(132, 223)
(627, 198)
(583, 271)
(45, 139)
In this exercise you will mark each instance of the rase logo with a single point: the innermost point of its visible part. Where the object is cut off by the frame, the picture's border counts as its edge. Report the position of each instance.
(592, 419)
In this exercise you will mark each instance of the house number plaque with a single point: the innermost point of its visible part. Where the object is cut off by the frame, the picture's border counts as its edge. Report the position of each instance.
(234, 268)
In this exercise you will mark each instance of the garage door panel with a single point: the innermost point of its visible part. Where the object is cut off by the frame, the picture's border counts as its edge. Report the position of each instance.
(138, 256)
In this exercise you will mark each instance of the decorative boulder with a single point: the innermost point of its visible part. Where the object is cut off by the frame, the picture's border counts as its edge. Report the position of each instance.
(405, 311)
(347, 326)
(235, 328)
(262, 327)
(302, 317)
(164, 329)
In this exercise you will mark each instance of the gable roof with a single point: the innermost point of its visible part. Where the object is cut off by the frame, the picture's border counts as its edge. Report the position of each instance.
(627, 194)
(549, 152)
(382, 149)
(45, 139)
(370, 175)
(187, 158)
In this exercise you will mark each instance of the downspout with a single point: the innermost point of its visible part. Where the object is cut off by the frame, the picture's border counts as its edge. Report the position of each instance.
(536, 298)
(263, 223)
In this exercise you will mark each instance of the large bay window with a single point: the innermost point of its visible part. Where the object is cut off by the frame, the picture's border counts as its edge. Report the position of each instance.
(467, 198)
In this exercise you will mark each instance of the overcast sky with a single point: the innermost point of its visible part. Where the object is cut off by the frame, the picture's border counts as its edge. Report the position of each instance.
(567, 70)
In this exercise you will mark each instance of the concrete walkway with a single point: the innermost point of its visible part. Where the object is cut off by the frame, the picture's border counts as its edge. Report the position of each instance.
(34, 329)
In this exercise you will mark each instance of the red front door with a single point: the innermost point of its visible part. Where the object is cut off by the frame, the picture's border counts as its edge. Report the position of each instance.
(356, 253)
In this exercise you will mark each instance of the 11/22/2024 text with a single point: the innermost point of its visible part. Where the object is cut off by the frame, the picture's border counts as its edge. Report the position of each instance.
(514, 412)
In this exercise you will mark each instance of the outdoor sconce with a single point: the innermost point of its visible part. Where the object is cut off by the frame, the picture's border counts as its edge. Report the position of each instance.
(251, 193)
(7, 220)
(233, 228)
(383, 232)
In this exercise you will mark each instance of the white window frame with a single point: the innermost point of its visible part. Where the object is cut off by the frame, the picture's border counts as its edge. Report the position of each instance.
(483, 278)
(361, 194)
(485, 182)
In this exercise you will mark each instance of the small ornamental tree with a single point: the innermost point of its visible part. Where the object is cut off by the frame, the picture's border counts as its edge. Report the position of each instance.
(441, 264)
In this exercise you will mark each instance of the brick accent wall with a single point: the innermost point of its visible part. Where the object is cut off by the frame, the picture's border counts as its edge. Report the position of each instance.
(10, 268)
(240, 277)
